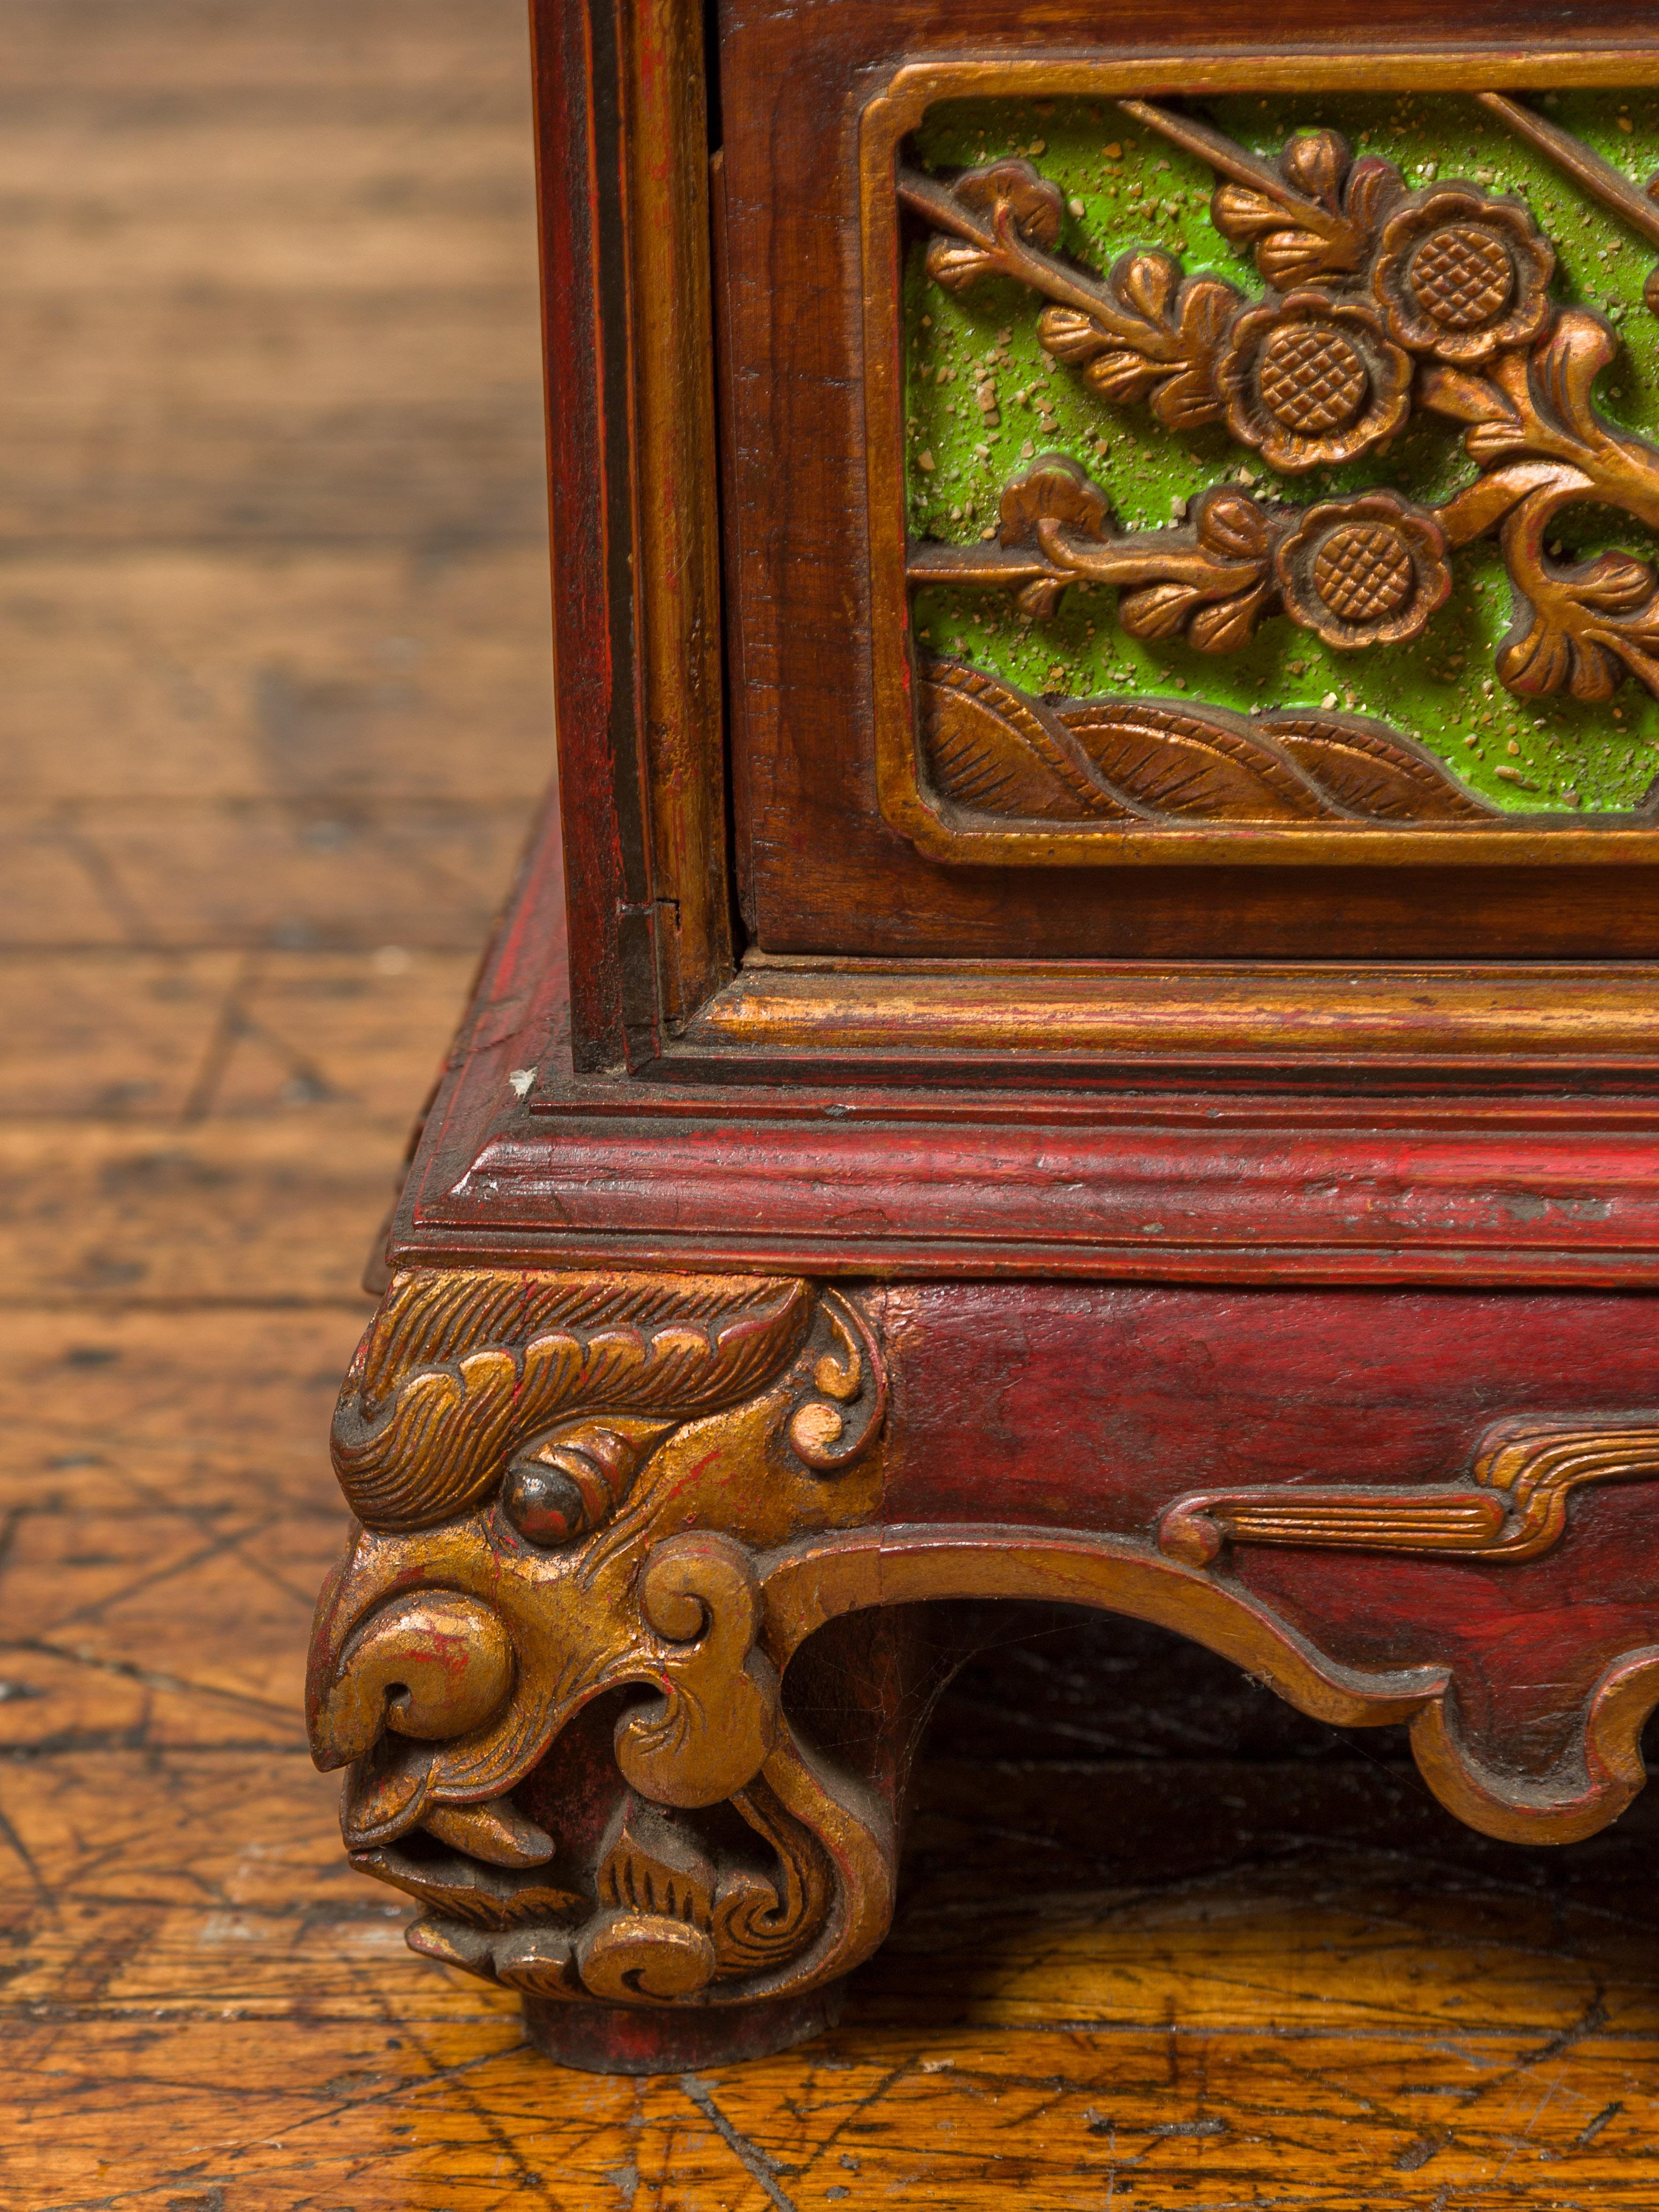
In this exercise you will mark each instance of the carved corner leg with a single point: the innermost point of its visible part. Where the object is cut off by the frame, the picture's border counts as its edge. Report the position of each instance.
(624, 1659)
(541, 1661)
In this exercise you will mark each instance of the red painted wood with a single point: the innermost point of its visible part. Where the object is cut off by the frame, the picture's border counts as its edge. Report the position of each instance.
(1068, 1406)
(1170, 1202)
(584, 277)
(1244, 1188)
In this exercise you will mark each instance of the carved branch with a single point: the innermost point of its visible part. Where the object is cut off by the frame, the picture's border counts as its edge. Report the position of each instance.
(1452, 279)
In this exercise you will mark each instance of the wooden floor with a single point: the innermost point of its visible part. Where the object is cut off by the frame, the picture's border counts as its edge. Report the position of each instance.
(273, 638)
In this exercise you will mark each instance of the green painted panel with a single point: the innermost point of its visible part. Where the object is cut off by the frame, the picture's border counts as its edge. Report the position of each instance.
(1128, 187)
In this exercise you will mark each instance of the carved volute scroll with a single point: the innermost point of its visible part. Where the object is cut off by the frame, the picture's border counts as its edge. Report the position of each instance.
(564, 1483)
(1368, 297)
(601, 1514)
(1512, 1507)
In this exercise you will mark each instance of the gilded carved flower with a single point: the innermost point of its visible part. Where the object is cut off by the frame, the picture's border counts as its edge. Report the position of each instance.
(1459, 276)
(1310, 382)
(1369, 570)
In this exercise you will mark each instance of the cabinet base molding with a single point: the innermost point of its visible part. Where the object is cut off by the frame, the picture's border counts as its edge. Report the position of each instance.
(655, 1577)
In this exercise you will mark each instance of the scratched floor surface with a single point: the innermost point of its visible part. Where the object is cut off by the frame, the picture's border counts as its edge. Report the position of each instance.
(273, 631)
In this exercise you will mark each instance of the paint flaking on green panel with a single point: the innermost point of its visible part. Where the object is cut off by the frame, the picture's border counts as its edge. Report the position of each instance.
(1126, 188)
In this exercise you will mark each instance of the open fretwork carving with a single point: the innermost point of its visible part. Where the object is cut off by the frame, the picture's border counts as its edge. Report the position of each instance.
(1380, 302)
(561, 1704)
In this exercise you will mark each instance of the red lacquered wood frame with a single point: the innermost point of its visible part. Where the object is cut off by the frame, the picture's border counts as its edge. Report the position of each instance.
(739, 1303)
(660, 987)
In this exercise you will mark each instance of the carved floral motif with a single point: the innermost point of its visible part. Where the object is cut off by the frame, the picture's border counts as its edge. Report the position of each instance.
(1310, 382)
(1461, 275)
(1380, 301)
(1363, 571)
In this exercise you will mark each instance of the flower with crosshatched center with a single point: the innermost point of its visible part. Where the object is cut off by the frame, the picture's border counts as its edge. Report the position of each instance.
(1363, 571)
(1309, 382)
(1461, 275)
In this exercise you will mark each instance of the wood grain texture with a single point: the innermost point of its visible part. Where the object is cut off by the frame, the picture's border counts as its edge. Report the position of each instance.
(1282, 1978)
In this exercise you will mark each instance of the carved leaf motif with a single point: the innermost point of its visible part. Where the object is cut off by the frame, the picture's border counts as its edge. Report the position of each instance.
(1494, 439)
(1161, 345)
(1189, 398)
(1035, 207)
(1147, 282)
(1159, 760)
(1191, 766)
(1316, 162)
(1225, 625)
(1233, 524)
(1216, 606)
(1009, 191)
(1243, 215)
(992, 749)
(1565, 367)
(1542, 660)
(1074, 337)
(1469, 398)
(1616, 582)
(955, 265)
(1332, 238)
(1288, 258)
(1373, 772)
(438, 1443)
(1123, 377)
(1159, 612)
(1582, 638)
(1374, 185)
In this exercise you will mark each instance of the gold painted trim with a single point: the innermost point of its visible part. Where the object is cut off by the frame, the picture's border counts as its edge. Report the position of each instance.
(1511, 1506)
(1130, 1011)
(943, 833)
(823, 1577)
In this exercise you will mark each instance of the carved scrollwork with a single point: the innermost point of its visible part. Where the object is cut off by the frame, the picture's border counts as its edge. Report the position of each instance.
(1382, 303)
(569, 1509)
(428, 1409)
(708, 1734)
(836, 1421)
(1511, 1506)
(707, 1854)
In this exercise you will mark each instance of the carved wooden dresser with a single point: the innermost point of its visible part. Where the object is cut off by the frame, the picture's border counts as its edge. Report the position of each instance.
(1108, 683)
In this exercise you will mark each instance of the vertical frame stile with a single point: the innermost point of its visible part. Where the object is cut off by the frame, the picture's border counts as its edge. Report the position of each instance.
(678, 509)
(622, 163)
(573, 59)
